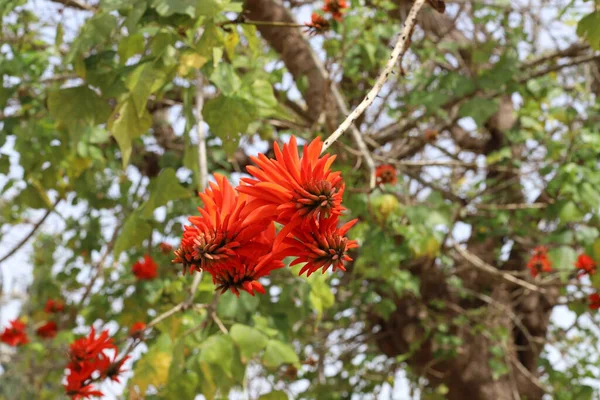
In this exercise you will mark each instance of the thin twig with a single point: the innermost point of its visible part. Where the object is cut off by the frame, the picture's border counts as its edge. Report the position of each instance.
(398, 52)
(482, 265)
(30, 235)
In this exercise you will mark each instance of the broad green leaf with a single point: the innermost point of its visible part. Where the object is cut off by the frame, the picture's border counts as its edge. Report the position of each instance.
(478, 109)
(96, 30)
(226, 79)
(276, 395)
(279, 353)
(570, 213)
(164, 188)
(249, 340)
(130, 46)
(169, 7)
(77, 106)
(320, 295)
(153, 367)
(563, 258)
(135, 230)
(218, 349)
(260, 94)
(4, 164)
(144, 81)
(252, 38)
(231, 40)
(589, 28)
(228, 118)
(125, 125)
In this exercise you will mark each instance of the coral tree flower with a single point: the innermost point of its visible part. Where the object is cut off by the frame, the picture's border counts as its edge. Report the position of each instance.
(145, 270)
(317, 24)
(386, 174)
(336, 8)
(594, 301)
(15, 334)
(539, 262)
(54, 306)
(90, 362)
(137, 330)
(298, 188)
(585, 265)
(320, 246)
(48, 330)
(225, 229)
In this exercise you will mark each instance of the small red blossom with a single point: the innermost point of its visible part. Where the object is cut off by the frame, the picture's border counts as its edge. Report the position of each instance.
(145, 270)
(539, 262)
(586, 265)
(165, 248)
(336, 8)
(386, 174)
(112, 368)
(15, 335)
(226, 228)
(77, 388)
(317, 24)
(88, 349)
(298, 189)
(48, 330)
(321, 245)
(137, 330)
(54, 306)
(594, 301)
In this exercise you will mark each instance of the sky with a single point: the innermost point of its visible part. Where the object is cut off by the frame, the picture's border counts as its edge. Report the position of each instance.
(16, 271)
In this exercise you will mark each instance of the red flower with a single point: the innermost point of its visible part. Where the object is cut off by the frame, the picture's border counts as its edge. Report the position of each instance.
(15, 335)
(386, 174)
(54, 306)
(298, 188)
(539, 262)
(227, 228)
(165, 248)
(320, 245)
(112, 368)
(242, 273)
(137, 330)
(48, 330)
(586, 265)
(594, 301)
(335, 7)
(317, 24)
(79, 384)
(88, 349)
(145, 270)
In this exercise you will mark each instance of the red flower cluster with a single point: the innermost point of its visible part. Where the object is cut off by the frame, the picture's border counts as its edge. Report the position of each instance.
(317, 24)
(48, 330)
(137, 330)
(335, 8)
(234, 238)
(15, 335)
(594, 301)
(90, 363)
(165, 248)
(585, 265)
(145, 270)
(539, 262)
(386, 174)
(54, 306)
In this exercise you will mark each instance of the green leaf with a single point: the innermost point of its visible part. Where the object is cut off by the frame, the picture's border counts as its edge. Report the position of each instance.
(249, 340)
(479, 109)
(260, 94)
(144, 81)
(135, 230)
(276, 395)
(219, 350)
(96, 30)
(320, 295)
(589, 28)
(77, 106)
(130, 46)
(228, 118)
(279, 353)
(563, 258)
(570, 213)
(169, 7)
(164, 188)
(125, 125)
(226, 79)
(4, 164)
(153, 367)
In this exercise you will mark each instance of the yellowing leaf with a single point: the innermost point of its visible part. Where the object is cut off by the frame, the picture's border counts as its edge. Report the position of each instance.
(189, 62)
(125, 125)
(153, 367)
